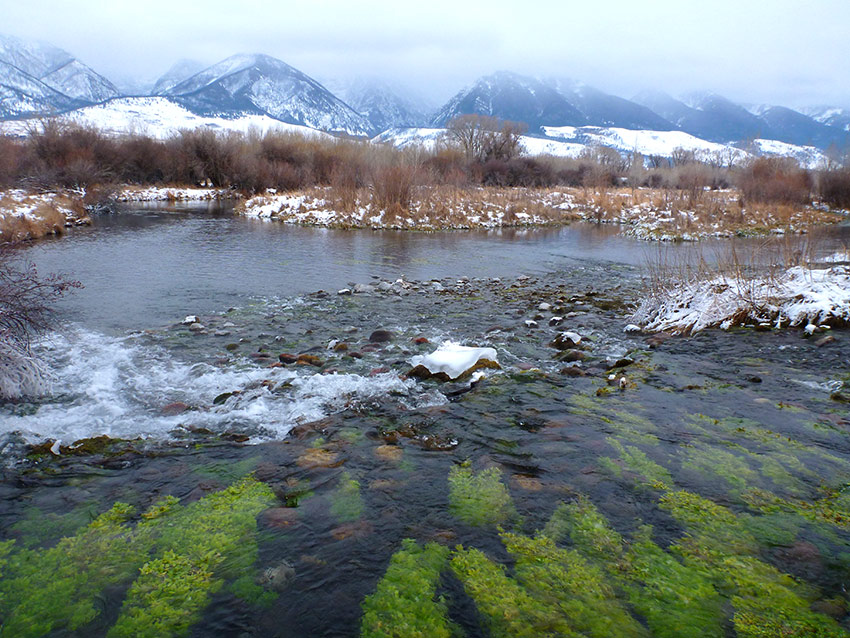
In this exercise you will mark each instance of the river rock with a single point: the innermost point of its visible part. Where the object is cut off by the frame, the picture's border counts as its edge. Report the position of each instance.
(381, 336)
(196, 327)
(173, 409)
(824, 341)
(566, 340)
(285, 357)
(278, 578)
(344, 291)
(452, 361)
(363, 289)
(189, 320)
(309, 360)
(556, 321)
(544, 307)
(385, 286)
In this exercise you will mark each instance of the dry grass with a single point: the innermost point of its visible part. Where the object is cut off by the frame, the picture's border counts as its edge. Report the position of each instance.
(649, 213)
(32, 216)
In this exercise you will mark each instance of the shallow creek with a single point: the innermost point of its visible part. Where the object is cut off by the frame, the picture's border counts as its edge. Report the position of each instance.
(242, 496)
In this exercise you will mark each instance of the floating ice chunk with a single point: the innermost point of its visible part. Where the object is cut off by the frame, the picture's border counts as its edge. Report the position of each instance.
(453, 359)
(631, 328)
(810, 328)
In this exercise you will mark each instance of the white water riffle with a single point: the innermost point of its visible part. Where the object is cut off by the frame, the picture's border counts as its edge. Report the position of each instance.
(119, 387)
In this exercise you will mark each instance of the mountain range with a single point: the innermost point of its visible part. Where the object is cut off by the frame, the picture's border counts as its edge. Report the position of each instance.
(39, 79)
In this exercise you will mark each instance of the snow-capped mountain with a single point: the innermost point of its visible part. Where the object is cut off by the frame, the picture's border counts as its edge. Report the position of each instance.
(384, 104)
(574, 141)
(603, 109)
(23, 95)
(158, 117)
(26, 68)
(830, 115)
(181, 70)
(510, 96)
(255, 83)
(797, 128)
(707, 115)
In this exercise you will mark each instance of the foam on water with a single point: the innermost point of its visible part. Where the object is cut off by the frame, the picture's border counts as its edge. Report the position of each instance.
(119, 387)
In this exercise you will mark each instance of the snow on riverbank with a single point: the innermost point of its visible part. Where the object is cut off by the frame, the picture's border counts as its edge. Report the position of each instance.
(431, 209)
(28, 215)
(171, 193)
(799, 296)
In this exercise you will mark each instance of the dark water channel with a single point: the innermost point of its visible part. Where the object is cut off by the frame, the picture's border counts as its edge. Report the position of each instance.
(274, 500)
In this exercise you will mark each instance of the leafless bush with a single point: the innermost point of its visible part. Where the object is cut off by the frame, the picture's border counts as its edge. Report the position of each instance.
(834, 187)
(26, 311)
(775, 180)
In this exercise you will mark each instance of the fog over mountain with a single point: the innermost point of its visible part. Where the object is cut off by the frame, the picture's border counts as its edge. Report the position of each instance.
(784, 52)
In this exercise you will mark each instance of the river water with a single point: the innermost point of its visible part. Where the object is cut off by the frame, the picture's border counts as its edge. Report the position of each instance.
(355, 456)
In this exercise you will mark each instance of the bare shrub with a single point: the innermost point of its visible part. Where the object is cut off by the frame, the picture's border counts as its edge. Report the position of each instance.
(26, 311)
(392, 190)
(834, 188)
(771, 179)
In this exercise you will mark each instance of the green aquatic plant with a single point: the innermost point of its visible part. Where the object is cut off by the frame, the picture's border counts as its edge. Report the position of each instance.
(201, 545)
(638, 462)
(719, 463)
(346, 501)
(36, 527)
(508, 610)
(479, 498)
(588, 530)
(770, 603)
(713, 531)
(58, 588)
(579, 589)
(404, 604)
(766, 601)
(832, 509)
(677, 600)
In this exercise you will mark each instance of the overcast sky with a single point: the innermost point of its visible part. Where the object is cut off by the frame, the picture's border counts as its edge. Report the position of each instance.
(777, 51)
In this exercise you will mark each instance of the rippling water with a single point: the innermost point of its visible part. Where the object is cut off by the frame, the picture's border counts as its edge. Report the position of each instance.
(357, 457)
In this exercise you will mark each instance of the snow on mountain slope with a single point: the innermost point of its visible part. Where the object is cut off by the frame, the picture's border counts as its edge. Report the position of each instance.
(658, 143)
(603, 109)
(26, 68)
(23, 95)
(509, 96)
(181, 70)
(78, 81)
(384, 104)
(570, 141)
(158, 117)
(830, 115)
(254, 83)
(807, 156)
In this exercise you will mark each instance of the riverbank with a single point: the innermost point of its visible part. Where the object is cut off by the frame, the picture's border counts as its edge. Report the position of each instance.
(644, 213)
(28, 215)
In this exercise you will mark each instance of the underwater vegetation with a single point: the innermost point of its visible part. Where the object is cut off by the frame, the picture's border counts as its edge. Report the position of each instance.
(175, 558)
(346, 501)
(404, 604)
(479, 498)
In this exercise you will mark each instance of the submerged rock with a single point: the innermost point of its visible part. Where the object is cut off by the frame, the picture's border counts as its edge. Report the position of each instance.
(279, 577)
(452, 361)
(381, 336)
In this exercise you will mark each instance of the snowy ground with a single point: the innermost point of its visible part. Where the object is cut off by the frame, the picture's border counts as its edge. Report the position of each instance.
(159, 117)
(644, 213)
(433, 209)
(799, 296)
(572, 141)
(27, 215)
(171, 193)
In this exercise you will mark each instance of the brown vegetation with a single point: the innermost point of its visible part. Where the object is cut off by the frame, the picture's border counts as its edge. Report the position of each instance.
(476, 152)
